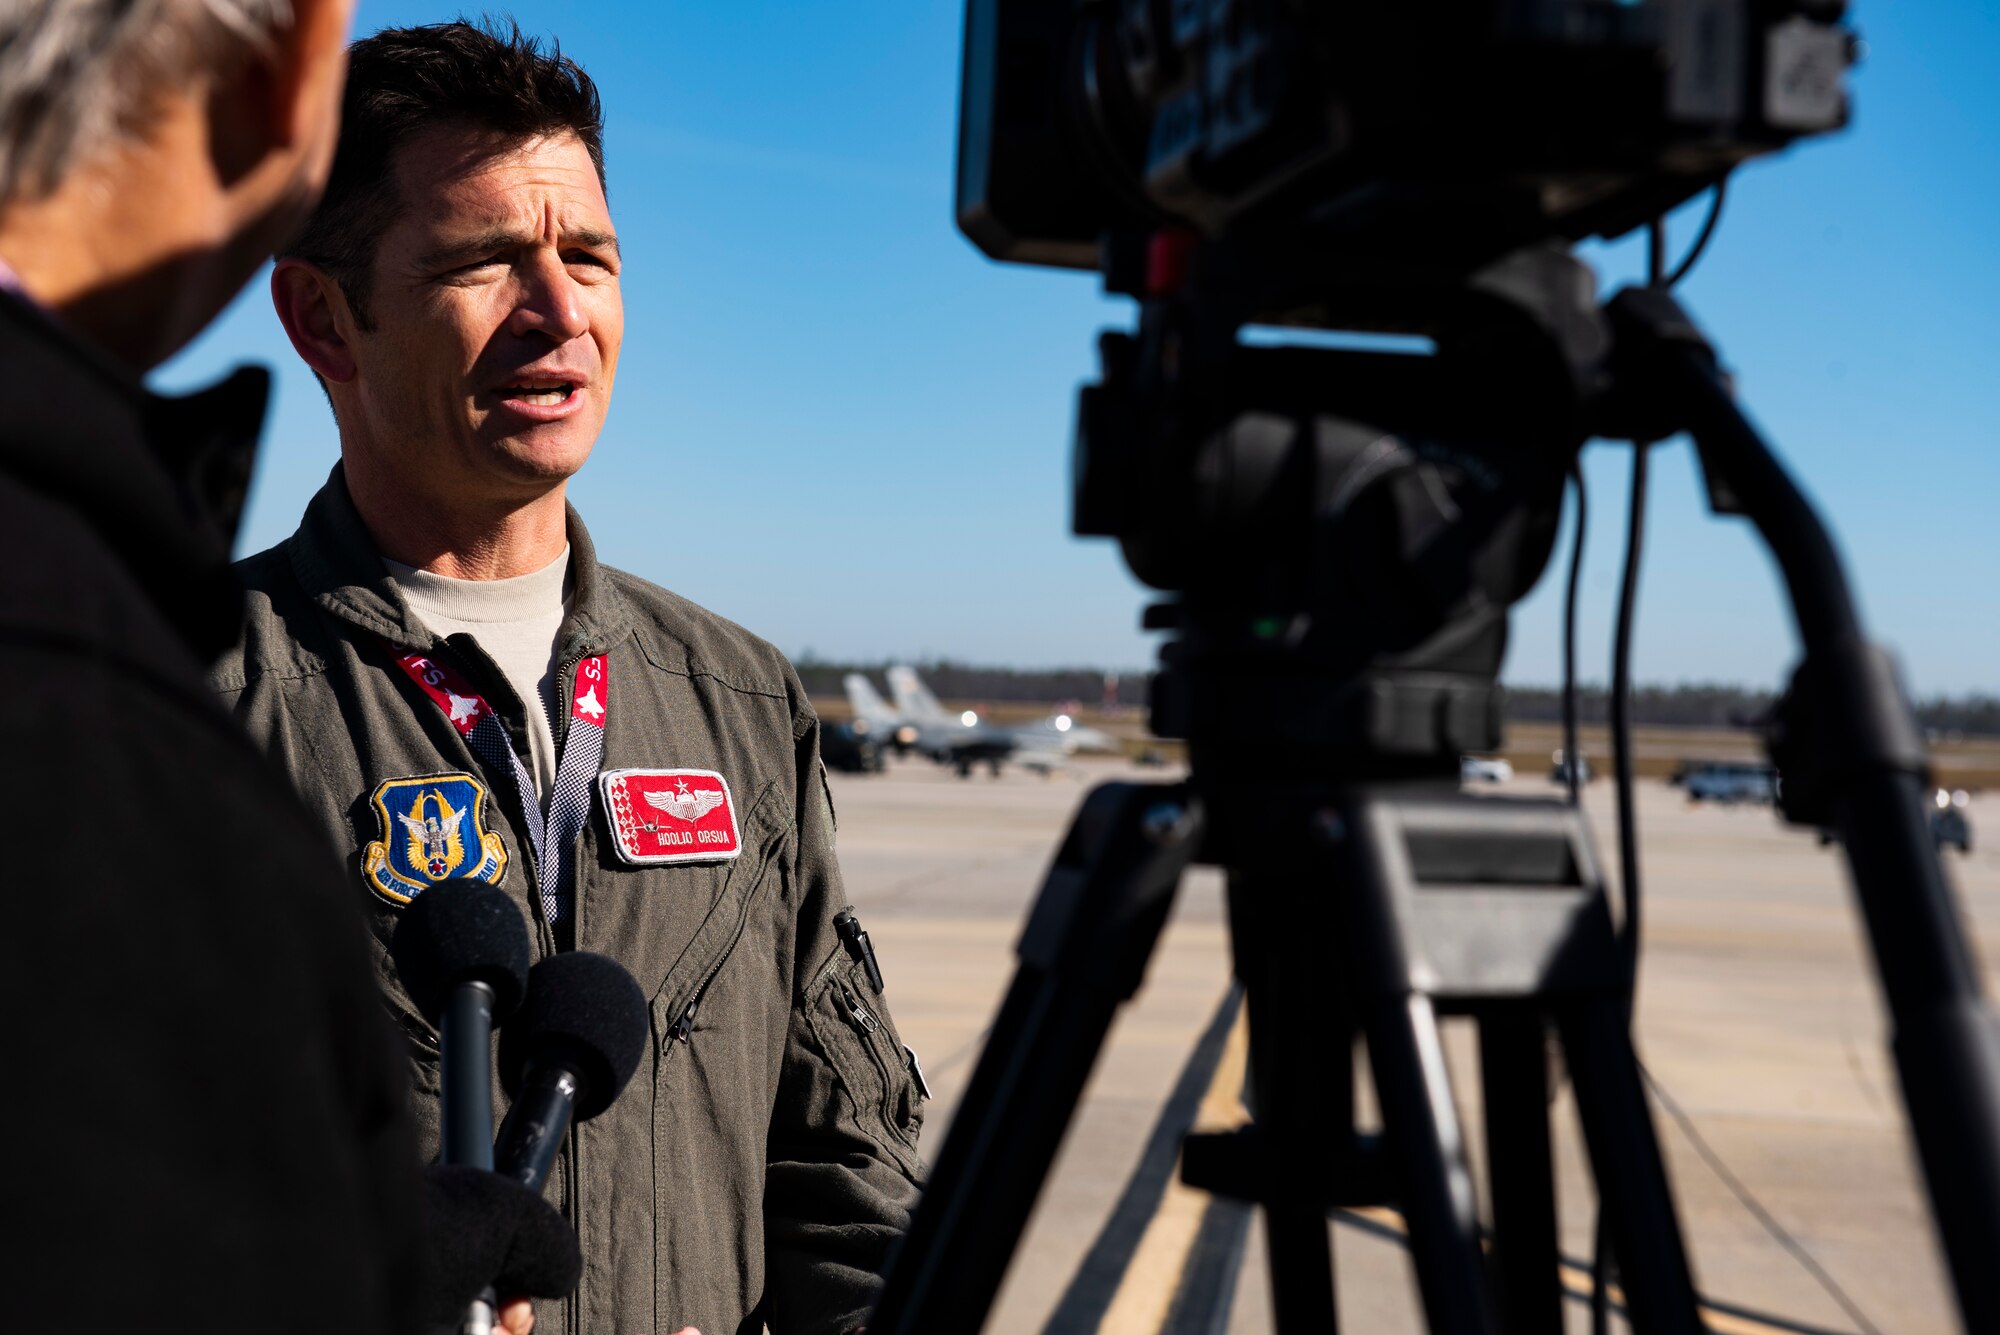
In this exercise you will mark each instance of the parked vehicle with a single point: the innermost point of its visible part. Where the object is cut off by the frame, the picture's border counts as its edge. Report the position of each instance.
(1949, 825)
(1484, 769)
(1559, 769)
(1731, 781)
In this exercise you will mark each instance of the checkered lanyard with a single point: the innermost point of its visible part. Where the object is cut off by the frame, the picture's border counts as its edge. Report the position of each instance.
(553, 834)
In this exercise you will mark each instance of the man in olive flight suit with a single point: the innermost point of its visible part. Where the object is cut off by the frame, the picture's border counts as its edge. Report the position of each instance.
(459, 689)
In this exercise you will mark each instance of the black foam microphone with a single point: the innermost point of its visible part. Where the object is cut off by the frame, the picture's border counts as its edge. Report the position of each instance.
(486, 1233)
(567, 1056)
(462, 952)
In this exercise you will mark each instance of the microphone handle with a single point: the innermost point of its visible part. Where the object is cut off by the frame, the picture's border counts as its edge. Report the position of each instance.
(465, 1062)
(532, 1136)
(482, 1315)
(465, 1068)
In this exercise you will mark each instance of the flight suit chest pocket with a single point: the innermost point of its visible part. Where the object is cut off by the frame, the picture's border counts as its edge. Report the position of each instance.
(673, 923)
(868, 1059)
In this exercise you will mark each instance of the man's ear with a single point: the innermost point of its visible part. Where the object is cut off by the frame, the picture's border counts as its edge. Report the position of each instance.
(316, 317)
(283, 100)
(308, 69)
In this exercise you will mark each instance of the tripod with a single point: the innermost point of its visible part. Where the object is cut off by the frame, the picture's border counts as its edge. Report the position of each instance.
(1366, 895)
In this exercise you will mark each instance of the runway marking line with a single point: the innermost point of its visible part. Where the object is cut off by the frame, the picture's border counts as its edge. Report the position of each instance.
(1145, 1295)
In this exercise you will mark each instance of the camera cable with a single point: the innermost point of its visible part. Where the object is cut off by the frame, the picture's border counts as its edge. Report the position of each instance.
(1572, 764)
(1749, 1201)
(1628, 833)
(1701, 238)
(1621, 760)
(1621, 728)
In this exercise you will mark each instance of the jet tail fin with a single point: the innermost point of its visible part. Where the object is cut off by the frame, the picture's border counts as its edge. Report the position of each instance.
(869, 707)
(913, 697)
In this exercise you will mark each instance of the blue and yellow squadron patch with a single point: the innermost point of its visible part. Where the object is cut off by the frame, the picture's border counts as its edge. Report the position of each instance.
(433, 829)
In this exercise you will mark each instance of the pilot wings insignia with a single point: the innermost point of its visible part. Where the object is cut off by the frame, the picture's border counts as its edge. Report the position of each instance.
(684, 805)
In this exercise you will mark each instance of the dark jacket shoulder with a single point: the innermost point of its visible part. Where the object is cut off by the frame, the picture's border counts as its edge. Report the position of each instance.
(68, 592)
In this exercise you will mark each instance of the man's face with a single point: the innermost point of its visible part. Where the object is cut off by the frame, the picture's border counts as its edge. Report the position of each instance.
(497, 320)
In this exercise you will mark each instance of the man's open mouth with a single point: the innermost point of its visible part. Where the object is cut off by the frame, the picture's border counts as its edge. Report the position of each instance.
(543, 394)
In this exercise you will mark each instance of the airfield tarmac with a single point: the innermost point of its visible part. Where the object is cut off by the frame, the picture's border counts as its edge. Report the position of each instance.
(1758, 1016)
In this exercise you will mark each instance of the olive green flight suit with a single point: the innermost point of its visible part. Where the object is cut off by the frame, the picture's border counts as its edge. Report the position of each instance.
(757, 1169)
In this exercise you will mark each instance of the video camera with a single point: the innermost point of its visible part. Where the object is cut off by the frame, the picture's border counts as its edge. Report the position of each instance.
(1442, 133)
(1348, 529)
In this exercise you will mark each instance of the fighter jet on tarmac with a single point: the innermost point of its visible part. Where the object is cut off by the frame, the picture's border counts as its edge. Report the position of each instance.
(959, 742)
(918, 722)
(1058, 732)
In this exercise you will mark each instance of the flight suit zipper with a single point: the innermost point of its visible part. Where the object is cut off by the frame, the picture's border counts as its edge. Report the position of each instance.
(565, 695)
(867, 1026)
(862, 1018)
(683, 1025)
(417, 1030)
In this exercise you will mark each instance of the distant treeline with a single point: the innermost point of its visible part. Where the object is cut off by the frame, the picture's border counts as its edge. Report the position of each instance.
(960, 681)
(1702, 705)
(1707, 705)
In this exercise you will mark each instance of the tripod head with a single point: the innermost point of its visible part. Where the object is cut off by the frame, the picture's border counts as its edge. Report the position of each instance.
(1345, 530)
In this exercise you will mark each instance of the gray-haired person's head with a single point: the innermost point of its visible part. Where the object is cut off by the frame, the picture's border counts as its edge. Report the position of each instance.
(76, 75)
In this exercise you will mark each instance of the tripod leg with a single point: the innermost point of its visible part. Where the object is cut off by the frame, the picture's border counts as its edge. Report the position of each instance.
(1433, 1181)
(1083, 953)
(1513, 1067)
(1631, 1176)
(1302, 1079)
(1853, 739)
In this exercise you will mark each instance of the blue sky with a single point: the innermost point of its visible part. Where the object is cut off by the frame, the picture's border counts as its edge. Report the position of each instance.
(840, 425)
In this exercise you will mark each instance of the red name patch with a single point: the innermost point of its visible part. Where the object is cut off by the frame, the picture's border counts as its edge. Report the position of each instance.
(670, 815)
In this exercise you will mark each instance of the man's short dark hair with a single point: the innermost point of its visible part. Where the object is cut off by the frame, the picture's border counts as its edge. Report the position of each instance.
(403, 81)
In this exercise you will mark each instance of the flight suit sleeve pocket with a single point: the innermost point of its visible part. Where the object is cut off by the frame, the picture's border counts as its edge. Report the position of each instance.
(868, 1062)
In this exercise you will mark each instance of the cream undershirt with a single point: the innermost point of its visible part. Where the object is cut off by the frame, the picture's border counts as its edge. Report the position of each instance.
(516, 622)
